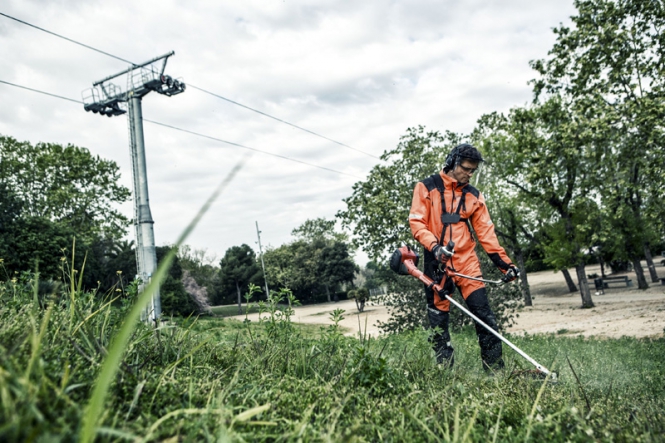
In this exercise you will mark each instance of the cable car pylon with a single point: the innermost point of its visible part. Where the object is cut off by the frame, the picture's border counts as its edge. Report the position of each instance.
(106, 98)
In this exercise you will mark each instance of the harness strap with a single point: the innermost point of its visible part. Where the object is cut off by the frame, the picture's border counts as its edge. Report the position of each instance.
(449, 218)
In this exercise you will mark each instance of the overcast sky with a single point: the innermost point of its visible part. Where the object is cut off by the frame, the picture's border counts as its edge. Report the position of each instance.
(358, 72)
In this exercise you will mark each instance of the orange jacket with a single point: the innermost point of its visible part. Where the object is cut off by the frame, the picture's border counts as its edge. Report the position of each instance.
(426, 224)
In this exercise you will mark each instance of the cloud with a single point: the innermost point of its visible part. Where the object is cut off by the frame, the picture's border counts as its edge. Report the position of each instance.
(358, 72)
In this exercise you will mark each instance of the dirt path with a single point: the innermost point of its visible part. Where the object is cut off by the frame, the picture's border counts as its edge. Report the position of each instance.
(621, 311)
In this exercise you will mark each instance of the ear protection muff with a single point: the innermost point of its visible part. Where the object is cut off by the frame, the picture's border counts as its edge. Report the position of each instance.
(454, 158)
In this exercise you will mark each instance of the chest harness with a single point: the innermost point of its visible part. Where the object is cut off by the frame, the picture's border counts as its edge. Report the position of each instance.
(448, 219)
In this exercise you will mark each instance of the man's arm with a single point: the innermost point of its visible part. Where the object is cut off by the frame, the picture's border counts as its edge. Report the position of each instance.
(419, 217)
(484, 227)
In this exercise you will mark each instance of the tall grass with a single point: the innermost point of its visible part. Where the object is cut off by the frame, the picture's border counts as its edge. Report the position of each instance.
(212, 379)
(76, 365)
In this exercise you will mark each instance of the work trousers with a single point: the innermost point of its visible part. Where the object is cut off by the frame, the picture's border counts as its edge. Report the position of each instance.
(477, 303)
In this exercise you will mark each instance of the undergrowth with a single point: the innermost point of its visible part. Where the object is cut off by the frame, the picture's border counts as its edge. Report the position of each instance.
(213, 379)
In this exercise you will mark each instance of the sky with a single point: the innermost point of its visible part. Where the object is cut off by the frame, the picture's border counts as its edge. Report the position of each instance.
(357, 72)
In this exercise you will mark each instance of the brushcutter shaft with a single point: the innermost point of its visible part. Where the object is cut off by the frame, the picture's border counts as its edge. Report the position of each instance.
(405, 256)
(538, 366)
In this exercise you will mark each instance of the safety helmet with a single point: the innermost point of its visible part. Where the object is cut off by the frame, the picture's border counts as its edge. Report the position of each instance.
(459, 153)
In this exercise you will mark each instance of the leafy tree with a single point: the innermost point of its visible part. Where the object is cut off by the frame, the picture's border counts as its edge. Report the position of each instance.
(319, 228)
(546, 154)
(60, 197)
(175, 300)
(64, 184)
(610, 64)
(378, 208)
(201, 267)
(238, 269)
(335, 266)
(310, 269)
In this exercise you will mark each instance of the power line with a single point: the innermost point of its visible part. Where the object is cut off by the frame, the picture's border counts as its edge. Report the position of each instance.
(195, 133)
(65, 38)
(195, 87)
(41, 92)
(282, 121)
(247, 147)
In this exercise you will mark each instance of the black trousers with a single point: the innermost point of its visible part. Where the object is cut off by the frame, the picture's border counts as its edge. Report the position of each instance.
(477, 303)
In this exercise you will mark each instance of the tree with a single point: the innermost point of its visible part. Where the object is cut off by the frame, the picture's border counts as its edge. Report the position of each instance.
(61, 198)
(378, 208)
(175, 300)
(310, 269)
(64, 184)
(238, 268)
(201, 267)
(610, 65)
(546, 154)
(335, 266)
(319, 228)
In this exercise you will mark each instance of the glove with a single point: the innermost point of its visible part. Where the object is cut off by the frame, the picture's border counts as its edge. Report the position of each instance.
(442, 254)
(512, 274)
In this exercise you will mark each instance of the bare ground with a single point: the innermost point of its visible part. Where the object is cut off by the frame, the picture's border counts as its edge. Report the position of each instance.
(620, 311)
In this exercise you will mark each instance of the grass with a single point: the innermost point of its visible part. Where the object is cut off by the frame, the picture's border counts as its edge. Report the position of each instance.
(232, 310)
(78, 366)
(215, 379)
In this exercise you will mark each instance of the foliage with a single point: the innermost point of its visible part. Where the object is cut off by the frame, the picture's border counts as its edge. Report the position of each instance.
(201, 267)
(208, 379)
(174, 298)
(54, 197)
(609, 66)
(545, 153)
(319, 228)
(314, 265)
(64, 184)
(238, 268)
(378, 208)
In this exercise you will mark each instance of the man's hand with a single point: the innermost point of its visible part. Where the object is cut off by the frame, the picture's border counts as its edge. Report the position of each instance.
(512, 274)
(441, 254)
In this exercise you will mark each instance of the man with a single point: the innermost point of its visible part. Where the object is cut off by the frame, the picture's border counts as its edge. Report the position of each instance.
(443, 206)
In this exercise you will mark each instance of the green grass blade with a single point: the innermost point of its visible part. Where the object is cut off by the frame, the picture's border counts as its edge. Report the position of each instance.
(116, 350)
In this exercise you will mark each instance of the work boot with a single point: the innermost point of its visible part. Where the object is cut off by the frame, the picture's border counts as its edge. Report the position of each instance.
(445, 357)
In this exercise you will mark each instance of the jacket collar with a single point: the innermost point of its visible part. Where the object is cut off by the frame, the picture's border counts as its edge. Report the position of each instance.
(450, 182)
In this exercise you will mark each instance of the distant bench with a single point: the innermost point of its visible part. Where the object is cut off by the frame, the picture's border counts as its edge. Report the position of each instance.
(603, 283)
(622, 279)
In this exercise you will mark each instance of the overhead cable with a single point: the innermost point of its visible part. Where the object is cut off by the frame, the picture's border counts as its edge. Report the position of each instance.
(247, 147)
(65, 38)
(42, 92)
(194, 133)
(195, 87)
(282, 121)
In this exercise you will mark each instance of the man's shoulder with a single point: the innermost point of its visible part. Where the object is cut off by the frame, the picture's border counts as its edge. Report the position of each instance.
(432, 183)
(471, 190)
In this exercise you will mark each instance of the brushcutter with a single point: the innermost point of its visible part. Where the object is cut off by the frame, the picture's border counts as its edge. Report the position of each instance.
(404, 261)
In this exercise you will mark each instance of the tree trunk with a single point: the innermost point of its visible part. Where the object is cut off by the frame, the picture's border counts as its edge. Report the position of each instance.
(328, 293)
(526, 291)
(602, 266)
(239, 299)
(650, 265)
(584, 286)
(639, 273)
(569, 281)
